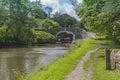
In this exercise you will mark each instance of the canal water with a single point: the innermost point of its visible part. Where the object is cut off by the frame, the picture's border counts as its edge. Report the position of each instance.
(27, 60)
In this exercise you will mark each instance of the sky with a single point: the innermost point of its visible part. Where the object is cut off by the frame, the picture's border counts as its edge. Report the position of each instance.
(62, 6)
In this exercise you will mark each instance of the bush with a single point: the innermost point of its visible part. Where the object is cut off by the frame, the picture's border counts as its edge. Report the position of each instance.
(43, 37)
(75, 44)
(2, 34)
(6, 36)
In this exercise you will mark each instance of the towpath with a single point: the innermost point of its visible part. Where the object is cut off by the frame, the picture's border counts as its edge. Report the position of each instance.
(79, 73)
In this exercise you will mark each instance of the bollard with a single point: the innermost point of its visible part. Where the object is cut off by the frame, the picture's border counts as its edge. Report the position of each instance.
(108, 61)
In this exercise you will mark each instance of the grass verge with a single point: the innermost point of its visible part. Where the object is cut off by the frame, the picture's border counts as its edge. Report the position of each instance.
(59, 68)
(90, 60)
(100, 72)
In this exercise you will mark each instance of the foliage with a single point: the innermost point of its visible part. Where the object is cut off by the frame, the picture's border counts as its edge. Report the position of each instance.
(75, 44)
(20, 76)
(48, 24)
(79, 24)
(48, 10)
(64, 20)
(109, 20)
(2, 34)
(89, 11)
(43, 37)
(99, 16)
(75, 3)
(17, 17)
(16, 29)
(8, 37)
(35, 10)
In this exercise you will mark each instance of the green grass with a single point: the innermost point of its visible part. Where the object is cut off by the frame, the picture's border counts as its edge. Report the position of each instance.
(59, 68)
(109, 42)
(90, 60)
(100, 72)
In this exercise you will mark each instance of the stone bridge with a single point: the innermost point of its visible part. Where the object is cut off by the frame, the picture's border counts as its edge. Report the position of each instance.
(73, 33)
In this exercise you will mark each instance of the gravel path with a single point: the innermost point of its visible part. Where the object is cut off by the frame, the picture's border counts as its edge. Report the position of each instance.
(79, 73)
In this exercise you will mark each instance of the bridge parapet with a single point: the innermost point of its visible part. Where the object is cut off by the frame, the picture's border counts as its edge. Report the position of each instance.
(79, 33)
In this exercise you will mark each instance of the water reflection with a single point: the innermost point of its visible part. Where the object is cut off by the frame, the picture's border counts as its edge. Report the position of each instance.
(26, 59)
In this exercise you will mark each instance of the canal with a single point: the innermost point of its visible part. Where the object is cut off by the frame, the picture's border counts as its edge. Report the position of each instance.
(27, 60)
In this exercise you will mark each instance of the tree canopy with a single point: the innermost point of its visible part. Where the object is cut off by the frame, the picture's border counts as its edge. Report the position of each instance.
(48, 24)
(102, 16)
(64, 20)
(17, 18)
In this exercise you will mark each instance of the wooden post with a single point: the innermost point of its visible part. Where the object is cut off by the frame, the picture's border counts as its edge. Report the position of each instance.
(107, 56)
(108, 61)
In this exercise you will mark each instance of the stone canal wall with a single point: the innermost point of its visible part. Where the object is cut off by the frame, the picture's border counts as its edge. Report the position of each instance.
(115, 59)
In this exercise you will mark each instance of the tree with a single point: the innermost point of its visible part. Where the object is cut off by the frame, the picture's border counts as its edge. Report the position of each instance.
(89, 11)
(101, 17)
(43, 37)
(15, 20)
(48, 10)
(69, 21)
(36, 10)
(64, 20)
(79, 24)
(4, 11)
(17, 17)
(48, 24)
(75, 3)
(111, 19)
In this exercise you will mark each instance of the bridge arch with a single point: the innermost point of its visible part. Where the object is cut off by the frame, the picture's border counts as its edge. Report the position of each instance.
(67, 32)
(75, 33)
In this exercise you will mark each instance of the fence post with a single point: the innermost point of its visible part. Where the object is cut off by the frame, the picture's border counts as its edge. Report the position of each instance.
(107, 56)
(108, 61)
